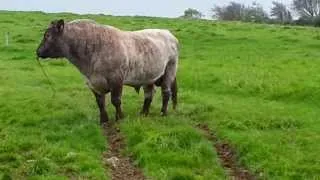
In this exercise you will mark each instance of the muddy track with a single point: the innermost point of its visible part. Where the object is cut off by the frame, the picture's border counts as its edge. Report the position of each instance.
(121, 166)
(227, 156)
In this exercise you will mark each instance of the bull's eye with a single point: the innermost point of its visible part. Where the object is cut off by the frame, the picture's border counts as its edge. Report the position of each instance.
(47, 35)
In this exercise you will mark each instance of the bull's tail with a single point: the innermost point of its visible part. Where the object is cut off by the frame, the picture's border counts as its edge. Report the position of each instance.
(174, 93)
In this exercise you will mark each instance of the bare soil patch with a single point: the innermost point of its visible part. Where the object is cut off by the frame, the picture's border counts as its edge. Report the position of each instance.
(121, 166)
(227, 156)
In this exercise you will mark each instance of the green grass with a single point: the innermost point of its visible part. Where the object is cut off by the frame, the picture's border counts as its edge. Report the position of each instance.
(256, 86)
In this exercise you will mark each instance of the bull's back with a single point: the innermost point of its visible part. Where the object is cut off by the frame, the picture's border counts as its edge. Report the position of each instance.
(148, 53)
(162, 35)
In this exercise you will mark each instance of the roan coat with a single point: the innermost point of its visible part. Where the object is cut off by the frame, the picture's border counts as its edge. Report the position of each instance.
(110, 58)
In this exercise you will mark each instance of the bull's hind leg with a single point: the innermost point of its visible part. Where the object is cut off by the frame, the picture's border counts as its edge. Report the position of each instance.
(166, 85)
(166, 92)
(174, 90)
(100, 99)
(148, 95)
(116, 93)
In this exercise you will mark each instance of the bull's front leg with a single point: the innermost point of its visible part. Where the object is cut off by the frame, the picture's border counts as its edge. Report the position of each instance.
(116, 93)
(148, 95)
(100, 99)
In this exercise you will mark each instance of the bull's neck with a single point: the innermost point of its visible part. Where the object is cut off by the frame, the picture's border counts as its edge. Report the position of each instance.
(75, 53)
(82, 64)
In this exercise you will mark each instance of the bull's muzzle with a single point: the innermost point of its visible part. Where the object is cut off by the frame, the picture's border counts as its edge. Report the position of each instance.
(39, 53)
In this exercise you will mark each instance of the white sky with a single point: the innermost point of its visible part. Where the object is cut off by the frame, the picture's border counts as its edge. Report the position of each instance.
(162, 8)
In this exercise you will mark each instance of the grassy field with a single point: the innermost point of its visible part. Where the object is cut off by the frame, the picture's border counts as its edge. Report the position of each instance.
(256, 86)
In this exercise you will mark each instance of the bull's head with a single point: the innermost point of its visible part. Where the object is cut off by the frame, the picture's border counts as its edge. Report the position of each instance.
(51, 44)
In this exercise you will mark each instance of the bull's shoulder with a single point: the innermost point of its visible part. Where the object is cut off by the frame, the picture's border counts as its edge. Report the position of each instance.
(82, 21)
(91, 24)
(153, 32)
(157, 34)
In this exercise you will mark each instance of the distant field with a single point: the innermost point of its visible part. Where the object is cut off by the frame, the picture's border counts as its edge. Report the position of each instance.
(256, 86)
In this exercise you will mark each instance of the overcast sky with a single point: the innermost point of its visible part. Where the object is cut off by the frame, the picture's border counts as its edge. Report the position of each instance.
(163, 8)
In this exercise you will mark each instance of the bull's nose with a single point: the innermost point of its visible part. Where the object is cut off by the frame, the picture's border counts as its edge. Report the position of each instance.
(38, 53)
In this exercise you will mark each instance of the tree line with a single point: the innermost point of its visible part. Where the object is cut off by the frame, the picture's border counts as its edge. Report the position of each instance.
(299, 12)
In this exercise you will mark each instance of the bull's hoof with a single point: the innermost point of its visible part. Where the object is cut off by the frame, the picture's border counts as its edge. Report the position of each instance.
(144, 113)
(163, 113)
(103, 122)
(119, 116)
(103, 118)
(174, 107)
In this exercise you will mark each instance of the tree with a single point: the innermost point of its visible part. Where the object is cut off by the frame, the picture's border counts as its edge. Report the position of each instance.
(192, 14)
(239, 12)
(280, 12)
(255, 13)
(307, 9)
(231, 12)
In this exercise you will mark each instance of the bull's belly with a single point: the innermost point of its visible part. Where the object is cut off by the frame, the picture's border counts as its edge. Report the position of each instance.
(139, 78)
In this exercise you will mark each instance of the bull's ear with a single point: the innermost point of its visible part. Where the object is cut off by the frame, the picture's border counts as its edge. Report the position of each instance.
(59, 25)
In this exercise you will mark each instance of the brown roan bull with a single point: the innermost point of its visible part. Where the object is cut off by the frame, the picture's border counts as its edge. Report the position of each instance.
(110, 58)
